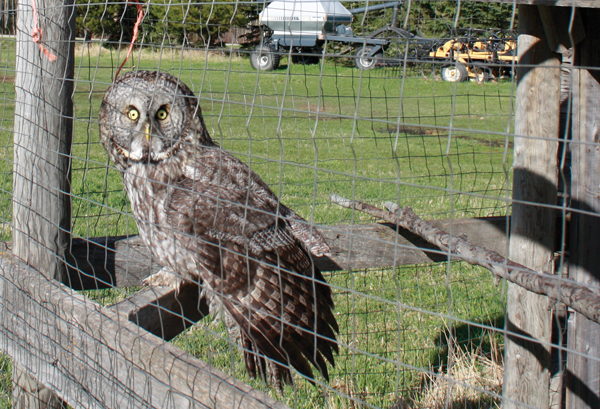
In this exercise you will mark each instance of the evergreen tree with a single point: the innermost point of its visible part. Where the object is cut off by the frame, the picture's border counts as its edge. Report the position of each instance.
(191, 22)
(203, 22)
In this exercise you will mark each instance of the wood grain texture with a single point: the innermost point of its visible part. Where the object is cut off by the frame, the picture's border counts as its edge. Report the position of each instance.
(583, 373)
(124, 262)
(105, 262)
(572, 294)
(535, 181)
(30, 393)
(165, 311)
(43, 127)
(378, 245)
(93, 357)
(557, 27)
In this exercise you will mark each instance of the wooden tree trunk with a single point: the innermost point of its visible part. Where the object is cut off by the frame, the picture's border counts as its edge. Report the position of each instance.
(43, 129)
(527, 363)
(583, 374)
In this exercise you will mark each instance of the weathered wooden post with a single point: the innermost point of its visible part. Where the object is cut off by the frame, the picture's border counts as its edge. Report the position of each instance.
(43, 129)
(527, 363)
(583, 373)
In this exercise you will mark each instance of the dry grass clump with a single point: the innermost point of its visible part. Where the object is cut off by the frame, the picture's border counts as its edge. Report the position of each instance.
(466, 383)
(157, 52)
(92, 49)
(473, 381)
(347, 395)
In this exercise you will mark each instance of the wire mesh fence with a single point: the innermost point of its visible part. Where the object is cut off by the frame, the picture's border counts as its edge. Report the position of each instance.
(412, 102)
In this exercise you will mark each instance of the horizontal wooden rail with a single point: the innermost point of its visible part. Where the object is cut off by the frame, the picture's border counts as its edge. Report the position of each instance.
(164, 311)
(125, 262)
(122, 262)
(94, 357)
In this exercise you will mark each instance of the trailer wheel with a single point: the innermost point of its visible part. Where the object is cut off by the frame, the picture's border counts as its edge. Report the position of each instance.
(264, 59)
(362, 61)
(455, 73)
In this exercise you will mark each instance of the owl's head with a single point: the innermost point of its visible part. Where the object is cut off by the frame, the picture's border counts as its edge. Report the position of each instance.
(147, 116)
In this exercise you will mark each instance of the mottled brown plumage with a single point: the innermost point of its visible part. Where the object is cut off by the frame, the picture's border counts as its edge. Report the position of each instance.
(209, 218)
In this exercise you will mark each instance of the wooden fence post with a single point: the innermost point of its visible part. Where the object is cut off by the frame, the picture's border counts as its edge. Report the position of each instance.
(43, 129)
(527, 363)
(583, 374)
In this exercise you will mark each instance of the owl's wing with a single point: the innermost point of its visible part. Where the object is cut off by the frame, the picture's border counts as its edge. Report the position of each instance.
(307, 234)
(258, 267)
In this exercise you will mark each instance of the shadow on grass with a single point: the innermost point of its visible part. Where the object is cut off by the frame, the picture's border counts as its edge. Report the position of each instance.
(476, 356)
(470, 339)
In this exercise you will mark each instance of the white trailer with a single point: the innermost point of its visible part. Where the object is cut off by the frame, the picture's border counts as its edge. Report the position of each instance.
(301, 28)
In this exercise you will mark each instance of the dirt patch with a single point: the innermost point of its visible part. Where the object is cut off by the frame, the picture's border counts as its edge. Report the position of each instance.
(490, 142)
(7, 79)
(408, 130)
(420, 131)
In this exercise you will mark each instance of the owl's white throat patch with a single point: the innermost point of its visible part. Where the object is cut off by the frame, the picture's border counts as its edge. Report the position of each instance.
(132, 155)
(141, 150)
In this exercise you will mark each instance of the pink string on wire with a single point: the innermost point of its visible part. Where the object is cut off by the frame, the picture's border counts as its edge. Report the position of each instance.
(37, 32)
(136, 28)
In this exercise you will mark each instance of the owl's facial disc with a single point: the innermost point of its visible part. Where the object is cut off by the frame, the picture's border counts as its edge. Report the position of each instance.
(147, 117)
(146, 140)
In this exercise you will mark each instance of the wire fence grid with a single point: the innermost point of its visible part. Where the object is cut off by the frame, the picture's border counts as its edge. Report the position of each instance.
(416, 126)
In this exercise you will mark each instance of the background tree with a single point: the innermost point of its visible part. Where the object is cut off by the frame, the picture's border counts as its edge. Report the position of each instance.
(189, 23)
(435, 19)
(8, 16)
(100, 19)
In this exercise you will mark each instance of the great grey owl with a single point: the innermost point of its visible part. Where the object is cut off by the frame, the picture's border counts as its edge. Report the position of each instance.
(209, 218)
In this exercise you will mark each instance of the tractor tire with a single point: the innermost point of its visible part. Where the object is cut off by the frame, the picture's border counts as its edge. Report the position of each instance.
(362, 61)
(481, 75)
(455, 73)
(264, 59)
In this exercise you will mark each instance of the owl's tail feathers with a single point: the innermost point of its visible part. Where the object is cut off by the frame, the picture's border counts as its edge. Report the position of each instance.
(272, 347)
(276, 372)
(270, 372)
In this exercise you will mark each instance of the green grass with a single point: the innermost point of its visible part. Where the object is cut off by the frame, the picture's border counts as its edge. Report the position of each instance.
(310, 131)
(393, 331)
(5, 385)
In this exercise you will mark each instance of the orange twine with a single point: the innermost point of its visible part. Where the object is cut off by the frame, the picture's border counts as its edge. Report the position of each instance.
(37, 32)
(136, 28)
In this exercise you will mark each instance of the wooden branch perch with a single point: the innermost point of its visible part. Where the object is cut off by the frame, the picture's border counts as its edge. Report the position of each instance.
(569, 292)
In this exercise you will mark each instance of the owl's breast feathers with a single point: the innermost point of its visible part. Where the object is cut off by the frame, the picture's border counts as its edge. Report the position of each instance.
(253, 255)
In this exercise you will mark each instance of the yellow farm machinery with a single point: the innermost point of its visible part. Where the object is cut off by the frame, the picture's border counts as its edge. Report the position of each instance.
(302, 29)
(475, 57)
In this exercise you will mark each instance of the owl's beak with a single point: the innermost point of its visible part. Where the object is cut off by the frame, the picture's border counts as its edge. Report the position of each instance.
(148, 131)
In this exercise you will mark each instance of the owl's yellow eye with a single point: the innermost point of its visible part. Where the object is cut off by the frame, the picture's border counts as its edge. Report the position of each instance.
(133, 114)
(162, 114)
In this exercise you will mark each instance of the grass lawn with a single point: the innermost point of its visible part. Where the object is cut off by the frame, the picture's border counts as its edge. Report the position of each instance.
(444, 149)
